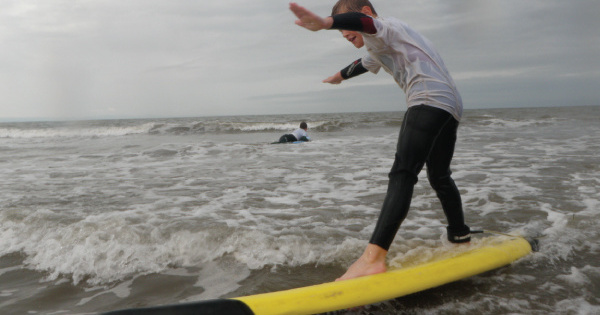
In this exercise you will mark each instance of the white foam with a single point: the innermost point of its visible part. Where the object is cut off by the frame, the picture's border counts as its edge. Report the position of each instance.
(108, 247)
(78, 132)
(218, 280)
(7, 293)
(577, 305)
(282, 200)
(272, 126)
(575, 278)
(122, 290)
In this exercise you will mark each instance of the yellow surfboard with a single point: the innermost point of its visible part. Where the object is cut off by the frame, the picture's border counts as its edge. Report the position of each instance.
(493, 253)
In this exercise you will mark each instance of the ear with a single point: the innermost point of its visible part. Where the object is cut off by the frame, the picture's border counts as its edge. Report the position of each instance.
(366, 10)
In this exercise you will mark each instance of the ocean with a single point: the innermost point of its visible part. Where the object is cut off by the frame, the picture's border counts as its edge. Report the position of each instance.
(111, 214)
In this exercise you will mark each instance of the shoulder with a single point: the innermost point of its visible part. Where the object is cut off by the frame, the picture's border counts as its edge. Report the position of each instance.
(393, 30)
(388, 23)
(389, 29)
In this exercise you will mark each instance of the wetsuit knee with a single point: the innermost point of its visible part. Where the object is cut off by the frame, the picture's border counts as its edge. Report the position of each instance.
(401, 170)
(440, 183)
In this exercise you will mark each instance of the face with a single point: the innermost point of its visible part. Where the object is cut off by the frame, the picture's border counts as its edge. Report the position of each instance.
(354, 37)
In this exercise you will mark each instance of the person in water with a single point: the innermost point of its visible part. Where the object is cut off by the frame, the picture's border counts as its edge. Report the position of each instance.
(299, 134)
(429, 130)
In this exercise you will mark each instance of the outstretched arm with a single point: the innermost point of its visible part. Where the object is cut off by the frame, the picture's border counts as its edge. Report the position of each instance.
(354, 21)
(354, 69)
(351, 21)
(309, 20)
(346, 21)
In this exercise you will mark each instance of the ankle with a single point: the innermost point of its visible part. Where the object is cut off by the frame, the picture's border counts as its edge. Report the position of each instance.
(374, 253)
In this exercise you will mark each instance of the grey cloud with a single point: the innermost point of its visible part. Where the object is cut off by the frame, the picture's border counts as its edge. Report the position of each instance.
(189, 58)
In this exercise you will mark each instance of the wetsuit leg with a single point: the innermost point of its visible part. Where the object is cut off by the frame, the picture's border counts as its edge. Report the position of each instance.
(287, 138)
(420, 129)
(439, 175)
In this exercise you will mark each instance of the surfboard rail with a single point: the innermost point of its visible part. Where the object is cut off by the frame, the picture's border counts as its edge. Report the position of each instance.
(366, 290)
(392, 284)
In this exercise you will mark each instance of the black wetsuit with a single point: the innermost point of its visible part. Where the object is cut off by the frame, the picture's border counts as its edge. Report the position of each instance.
(287, 138)
(427, 137)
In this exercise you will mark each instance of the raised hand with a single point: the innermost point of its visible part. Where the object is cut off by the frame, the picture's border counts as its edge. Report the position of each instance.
(309, 20)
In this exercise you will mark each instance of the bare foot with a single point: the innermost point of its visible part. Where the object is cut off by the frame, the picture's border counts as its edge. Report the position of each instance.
(371, 262)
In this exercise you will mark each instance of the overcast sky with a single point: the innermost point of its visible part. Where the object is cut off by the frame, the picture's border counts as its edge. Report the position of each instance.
(88, 59)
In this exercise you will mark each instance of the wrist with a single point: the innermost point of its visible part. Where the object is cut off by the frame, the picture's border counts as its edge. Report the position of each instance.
(327, 22)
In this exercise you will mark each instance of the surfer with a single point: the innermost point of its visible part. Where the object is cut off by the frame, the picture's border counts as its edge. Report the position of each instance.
(299, 134)
(429, 130)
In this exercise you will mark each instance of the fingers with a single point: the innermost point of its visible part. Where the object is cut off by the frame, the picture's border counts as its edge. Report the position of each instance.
(306, 18)
(298, 10)
(332, 80)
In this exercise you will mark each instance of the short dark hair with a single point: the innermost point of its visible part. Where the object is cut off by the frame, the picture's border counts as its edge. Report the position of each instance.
(343, 6)
(303, 125)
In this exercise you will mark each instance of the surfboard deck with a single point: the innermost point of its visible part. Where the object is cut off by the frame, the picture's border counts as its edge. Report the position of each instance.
(497, 252)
